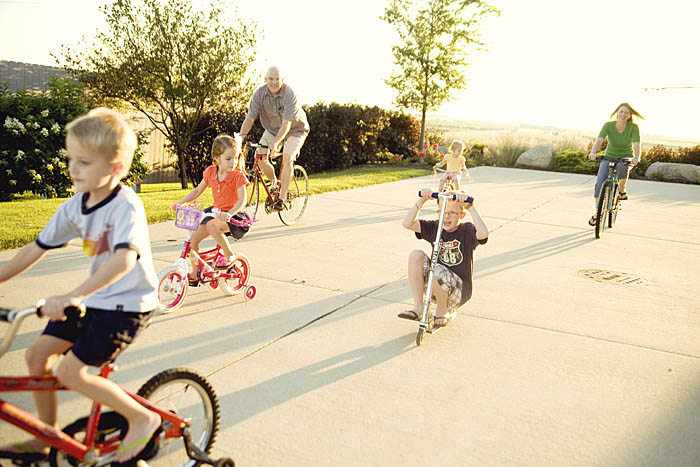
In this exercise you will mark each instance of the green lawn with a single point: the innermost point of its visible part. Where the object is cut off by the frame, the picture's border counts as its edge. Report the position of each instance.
(23, 219)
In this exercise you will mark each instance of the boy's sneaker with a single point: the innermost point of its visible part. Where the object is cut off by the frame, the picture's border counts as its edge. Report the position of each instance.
(222, 263)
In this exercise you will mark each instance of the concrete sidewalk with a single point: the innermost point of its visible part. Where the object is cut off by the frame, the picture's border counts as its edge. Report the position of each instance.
(545, 366)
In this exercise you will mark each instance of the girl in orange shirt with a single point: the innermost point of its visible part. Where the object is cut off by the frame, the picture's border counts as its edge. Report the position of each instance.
(228, 183)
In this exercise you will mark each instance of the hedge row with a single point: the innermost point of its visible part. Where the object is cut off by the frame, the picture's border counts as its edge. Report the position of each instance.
(342, 135)
(32, 140)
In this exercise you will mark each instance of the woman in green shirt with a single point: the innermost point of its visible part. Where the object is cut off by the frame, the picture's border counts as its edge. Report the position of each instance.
(623, 143)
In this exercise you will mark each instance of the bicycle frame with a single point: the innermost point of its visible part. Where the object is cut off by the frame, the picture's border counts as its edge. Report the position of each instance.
(205, 272)
(90, 449)
(258, 176)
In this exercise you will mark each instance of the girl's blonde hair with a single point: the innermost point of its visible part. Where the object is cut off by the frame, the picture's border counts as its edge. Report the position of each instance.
(632, 111)
(105, 131)
(224, 142)
(457, 143)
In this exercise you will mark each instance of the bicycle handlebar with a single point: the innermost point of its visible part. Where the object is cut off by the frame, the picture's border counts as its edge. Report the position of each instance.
(448, 196)
(15, 318)
(264, 146)
(624, 160)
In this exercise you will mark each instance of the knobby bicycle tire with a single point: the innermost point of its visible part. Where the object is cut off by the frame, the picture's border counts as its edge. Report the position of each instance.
(171, 390)
(612, 215)
(602, 210)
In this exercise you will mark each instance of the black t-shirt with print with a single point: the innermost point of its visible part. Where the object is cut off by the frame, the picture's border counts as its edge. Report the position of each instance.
(456, 250)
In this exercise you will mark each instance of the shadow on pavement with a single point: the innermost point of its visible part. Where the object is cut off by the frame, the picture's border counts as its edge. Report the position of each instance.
(248, 402)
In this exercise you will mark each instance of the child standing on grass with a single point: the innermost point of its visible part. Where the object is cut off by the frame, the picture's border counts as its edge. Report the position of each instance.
(120, 294)
(456, 163)
(228, 182)
(452, 277)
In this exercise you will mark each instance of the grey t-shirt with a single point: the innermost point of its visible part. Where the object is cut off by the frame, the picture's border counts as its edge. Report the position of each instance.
(119, 221)
(272, 110)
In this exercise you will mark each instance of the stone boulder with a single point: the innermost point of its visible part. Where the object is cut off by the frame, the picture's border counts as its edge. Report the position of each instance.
(673, 172)
(539, 157)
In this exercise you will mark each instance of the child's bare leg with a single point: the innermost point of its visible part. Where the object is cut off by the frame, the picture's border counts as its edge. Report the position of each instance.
(142, 422)
(456, 182)
(216, 229)
(40, 357)
(415, 279)
(198, 235)
(441, 185)
(440, 299)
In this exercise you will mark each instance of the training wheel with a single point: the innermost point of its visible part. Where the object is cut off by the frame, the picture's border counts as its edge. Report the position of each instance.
(419, 336)
(250, 292)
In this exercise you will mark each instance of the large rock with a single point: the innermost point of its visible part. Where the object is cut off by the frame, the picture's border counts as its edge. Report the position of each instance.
(673, 172)
(539, 157)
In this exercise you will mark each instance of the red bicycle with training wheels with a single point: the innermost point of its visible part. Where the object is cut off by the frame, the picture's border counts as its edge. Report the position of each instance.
(184, 399)
(172, 280)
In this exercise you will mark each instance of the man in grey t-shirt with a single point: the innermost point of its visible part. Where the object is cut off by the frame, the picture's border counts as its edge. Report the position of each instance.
(284, 121)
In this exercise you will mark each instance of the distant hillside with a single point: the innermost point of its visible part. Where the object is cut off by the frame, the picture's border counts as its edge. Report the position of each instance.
(472, 129)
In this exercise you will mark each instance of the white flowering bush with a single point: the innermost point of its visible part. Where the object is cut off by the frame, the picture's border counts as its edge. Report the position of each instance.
(32, 140)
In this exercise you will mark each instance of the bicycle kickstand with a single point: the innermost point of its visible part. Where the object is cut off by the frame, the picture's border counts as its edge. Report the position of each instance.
(196, 454)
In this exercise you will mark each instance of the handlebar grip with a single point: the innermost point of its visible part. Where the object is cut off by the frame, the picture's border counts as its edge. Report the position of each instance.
(4, 314)
(452, 197)
(71, 312)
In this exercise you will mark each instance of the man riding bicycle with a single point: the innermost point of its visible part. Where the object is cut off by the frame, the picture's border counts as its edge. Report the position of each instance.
(284, 121)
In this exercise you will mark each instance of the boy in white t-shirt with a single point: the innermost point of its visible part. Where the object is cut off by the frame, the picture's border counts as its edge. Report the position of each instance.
(120, 294)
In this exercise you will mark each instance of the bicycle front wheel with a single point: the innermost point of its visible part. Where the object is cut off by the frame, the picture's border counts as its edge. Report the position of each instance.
(612, 215)
(298, 197)
(602, 210)
(254, 199)
(190, 396)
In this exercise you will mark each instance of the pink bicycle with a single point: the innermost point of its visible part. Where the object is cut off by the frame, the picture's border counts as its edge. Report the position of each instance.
(172, 280)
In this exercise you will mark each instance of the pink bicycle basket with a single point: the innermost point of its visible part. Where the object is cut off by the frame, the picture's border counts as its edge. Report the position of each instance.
(188, 218)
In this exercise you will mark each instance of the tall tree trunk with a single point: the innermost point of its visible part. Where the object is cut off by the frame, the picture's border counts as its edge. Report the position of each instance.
(183, 173)
(422, 129)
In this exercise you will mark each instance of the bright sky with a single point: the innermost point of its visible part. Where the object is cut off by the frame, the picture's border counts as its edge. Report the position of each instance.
(553, 62)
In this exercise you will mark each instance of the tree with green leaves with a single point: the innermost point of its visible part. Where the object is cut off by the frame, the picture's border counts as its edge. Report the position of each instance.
(434, 39)
(170, 62)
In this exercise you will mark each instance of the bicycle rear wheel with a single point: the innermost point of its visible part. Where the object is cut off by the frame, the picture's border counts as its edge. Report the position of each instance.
(602, 210)
(190, 396)
(297, 198)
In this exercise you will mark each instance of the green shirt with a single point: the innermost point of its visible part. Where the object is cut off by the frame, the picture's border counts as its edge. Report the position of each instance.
(619, 144)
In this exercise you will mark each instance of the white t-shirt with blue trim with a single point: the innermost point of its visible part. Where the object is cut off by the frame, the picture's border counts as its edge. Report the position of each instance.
(118, 221)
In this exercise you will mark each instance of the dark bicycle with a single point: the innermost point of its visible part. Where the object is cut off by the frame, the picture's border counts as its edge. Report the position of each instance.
(297, 196)
(609, 201)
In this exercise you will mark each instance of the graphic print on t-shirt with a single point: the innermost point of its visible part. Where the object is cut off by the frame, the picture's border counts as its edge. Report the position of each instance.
(449, 253)
(99, 246)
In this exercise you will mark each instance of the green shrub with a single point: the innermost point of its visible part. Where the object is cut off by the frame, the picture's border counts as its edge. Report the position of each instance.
(657, 176)
(343, 135)
(574, 162)
(660, 153)
(508, 149)
(478, 155)
(32, 141)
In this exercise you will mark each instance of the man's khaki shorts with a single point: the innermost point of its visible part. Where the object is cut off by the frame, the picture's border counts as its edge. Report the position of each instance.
(292, 144)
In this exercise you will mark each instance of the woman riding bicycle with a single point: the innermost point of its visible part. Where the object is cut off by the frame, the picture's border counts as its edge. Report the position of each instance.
(623, 142)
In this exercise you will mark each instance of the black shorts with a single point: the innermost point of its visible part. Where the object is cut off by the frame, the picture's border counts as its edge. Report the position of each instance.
(235, 231)
(101, 334)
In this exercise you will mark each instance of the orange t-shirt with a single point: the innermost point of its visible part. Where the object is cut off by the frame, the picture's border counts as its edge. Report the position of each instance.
(225, 192)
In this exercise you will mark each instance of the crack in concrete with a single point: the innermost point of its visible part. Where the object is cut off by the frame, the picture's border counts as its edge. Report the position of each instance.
(295, 330)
